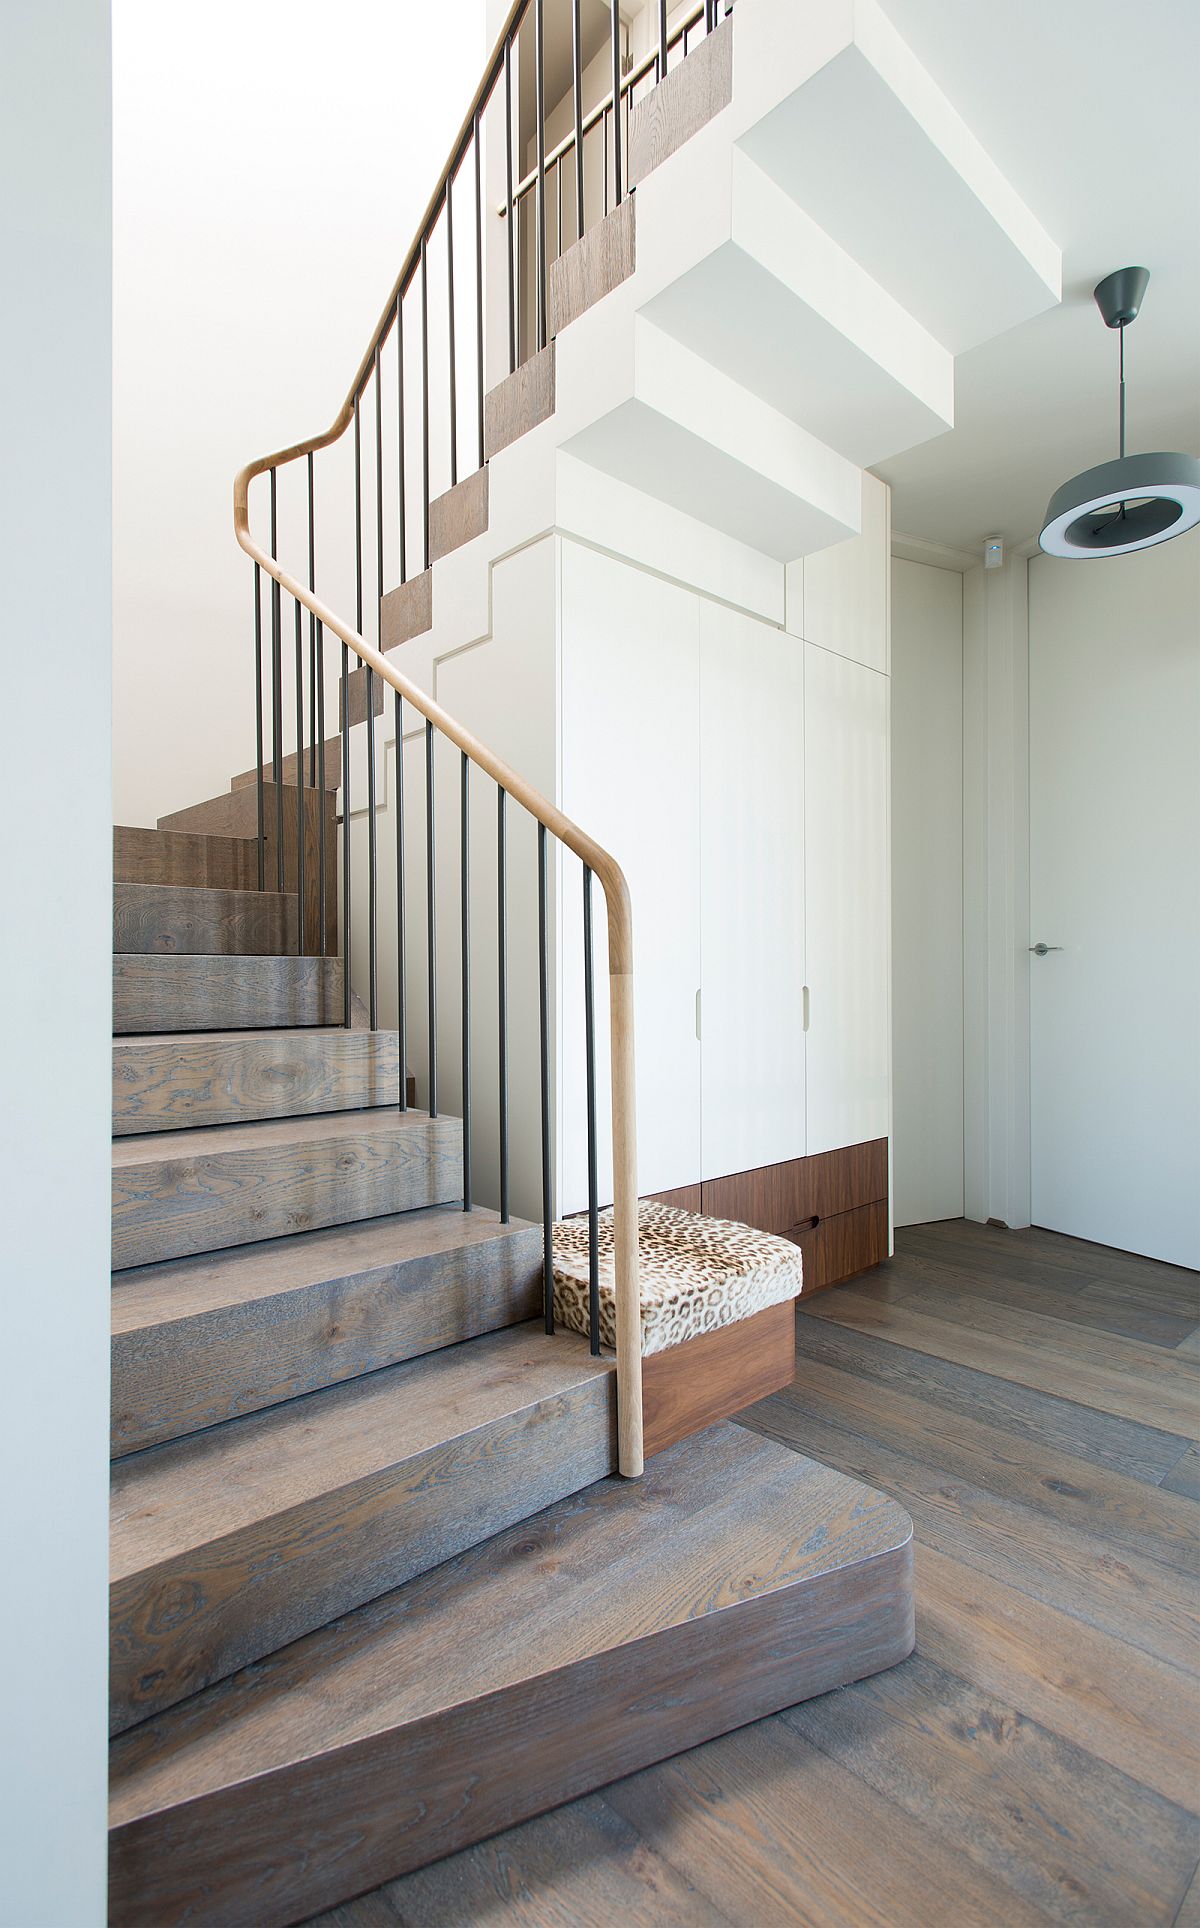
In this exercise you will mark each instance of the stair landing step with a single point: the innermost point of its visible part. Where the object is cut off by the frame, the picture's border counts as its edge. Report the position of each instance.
(200, 1340)
(228, 1545)
(622, 1625)
(180, 1193)
(181, 1080)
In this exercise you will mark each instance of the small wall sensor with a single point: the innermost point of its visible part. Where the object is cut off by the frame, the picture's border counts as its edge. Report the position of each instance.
(993, 552)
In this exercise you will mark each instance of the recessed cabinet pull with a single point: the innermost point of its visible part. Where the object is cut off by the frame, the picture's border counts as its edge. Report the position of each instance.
(804, 1001)
(697, 1017)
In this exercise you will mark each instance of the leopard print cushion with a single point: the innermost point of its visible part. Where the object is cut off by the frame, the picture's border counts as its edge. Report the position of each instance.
(697, 1274)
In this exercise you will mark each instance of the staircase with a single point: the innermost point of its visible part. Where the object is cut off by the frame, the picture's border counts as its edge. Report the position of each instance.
(375, 1592)
(378, 1586)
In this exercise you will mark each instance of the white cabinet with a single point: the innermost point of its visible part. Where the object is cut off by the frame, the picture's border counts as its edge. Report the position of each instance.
(629, 707)
(751, 892)
(846, 890)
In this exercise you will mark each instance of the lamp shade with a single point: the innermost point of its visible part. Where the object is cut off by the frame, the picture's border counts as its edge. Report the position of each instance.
(1121, 506)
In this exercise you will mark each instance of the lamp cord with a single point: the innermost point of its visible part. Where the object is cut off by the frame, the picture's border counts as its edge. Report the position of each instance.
(1121, 336)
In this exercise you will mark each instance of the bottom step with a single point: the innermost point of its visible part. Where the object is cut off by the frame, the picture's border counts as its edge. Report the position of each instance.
(618, 1627)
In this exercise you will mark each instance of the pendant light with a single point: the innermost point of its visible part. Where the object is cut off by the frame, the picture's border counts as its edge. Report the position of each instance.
(1137, 500)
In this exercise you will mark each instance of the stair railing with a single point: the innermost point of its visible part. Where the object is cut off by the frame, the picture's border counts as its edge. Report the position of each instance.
(514, 272)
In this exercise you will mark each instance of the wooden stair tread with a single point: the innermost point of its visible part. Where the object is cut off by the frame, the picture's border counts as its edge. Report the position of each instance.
(179, 1289)
(184, 858)
(636, 1618)
(197, 1341)
(177, 1498)
(205, 991)
(185, 1080)
(177, 1193)
(176, 919)
(155, 1146)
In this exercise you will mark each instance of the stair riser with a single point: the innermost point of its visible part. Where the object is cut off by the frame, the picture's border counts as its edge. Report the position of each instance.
(308, 1836)
(235, 815)
(172, 1380)
(176, 1628)
(172, 1084)
(162, 918)
(183, 860)
(224, 993)
(177, 1206)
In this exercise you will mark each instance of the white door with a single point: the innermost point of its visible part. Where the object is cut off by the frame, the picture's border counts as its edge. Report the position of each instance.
(1114, 688)
(751, 1016)
(629, 693)
(927, 894)
(847, 921)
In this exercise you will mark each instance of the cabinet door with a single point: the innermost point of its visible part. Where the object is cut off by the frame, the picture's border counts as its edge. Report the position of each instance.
(629, 646)
(847, 933)
(751, 893)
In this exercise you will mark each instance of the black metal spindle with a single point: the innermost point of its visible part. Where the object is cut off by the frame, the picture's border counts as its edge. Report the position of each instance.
(400, 431)
(589, 1001)
(378, 501)
(430, 926)
(544, 1037)
(616, 101)
(662, 39)
(478, 292)
(710, 15)
(358, 533)
(425, 401)
(258, 725)
(372, 861)
(277, 688)
(512, 211)
(301, 946)
(539, 62)
(450, 315)
(502, 990)
(346, 992)
(577, 83)
(401, 962)
(319, 706)
(464, 806)
(312, 629)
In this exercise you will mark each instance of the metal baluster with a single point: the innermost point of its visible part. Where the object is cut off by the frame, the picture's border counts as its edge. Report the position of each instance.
(277, 689)
(430, 930)
(662, 39)
(604, 126)
(577, 82)
(301, 945)
(478, 291)
(544, 1035)
(512, 212)
(539, 61)
(400, 429)
(372, 826)
(258, 725)
(616, 102)
(450, 311)
(425, 400)
(346, 994)
(465, 928)
(319, 701)
(589, 1000)
(312, 632)
(358, 546)
(401, 962)
(502, 982)
(378, 501)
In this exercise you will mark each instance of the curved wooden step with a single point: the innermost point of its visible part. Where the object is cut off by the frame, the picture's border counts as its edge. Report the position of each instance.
(230, 1544)
(200, 1340)
(623, 1625)
(178, 1193)
(176, 1081)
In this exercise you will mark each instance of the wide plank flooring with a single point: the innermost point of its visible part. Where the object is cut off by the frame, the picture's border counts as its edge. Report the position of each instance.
(1032, 1401)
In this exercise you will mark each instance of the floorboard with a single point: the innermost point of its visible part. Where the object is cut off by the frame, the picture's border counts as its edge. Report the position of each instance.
(1031, 1400)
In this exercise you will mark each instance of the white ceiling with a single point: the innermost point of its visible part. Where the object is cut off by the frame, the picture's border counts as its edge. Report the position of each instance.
(1092, 112)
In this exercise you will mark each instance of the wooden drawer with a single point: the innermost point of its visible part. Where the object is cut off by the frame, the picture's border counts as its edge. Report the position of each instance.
(850, 1242)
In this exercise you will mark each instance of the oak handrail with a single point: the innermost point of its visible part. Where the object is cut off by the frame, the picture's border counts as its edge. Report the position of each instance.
(627, 1290)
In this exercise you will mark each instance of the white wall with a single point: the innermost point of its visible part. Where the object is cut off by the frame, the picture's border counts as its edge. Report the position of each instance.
(271, 163)
(55, 513)
(927, 893)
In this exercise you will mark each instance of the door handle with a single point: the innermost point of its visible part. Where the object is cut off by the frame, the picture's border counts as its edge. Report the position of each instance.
(1044, 950)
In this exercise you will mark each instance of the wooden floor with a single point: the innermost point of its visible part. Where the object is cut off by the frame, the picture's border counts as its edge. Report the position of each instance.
(1031, 1401)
